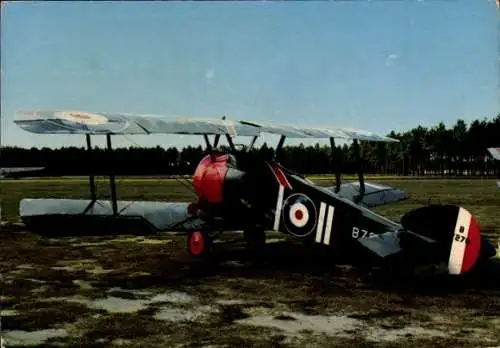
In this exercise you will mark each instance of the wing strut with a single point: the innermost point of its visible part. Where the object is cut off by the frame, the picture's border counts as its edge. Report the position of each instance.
(360, 170)
(209, 146)
(112, 183)
(335, 164)
(230, 142)
(278, 152)
(216, 140)
(207, 141)
(93, 195)
(252, 143)
(92, 188)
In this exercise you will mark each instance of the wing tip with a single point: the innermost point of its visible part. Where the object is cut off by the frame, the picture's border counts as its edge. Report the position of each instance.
(495, 152)
(25, 114)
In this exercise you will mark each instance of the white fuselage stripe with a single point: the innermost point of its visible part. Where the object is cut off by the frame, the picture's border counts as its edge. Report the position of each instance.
(457, 252)
(321, 220)
(279, 205)
(328, 227)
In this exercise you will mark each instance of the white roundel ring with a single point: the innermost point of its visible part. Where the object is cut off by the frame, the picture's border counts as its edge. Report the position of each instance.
(299, 215)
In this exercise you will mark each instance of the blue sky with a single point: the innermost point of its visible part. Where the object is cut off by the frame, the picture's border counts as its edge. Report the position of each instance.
(378, 65)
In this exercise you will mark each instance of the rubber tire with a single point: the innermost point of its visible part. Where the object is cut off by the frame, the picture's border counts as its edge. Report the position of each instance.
(207, 249)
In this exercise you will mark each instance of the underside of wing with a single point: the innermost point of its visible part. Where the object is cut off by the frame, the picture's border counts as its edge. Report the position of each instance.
(295, 131)
(78, 122)
(362, 135)
(289, 131)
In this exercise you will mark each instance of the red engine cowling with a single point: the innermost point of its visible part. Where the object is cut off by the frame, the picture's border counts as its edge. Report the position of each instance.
(209, 177)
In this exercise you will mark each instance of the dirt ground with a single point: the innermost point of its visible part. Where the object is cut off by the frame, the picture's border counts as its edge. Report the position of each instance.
(147, 292)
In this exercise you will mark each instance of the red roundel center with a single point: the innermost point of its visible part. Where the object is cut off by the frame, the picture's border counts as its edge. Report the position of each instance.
(299, 214)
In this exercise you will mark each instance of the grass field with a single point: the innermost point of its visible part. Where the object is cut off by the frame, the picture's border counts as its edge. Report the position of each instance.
(146, 292)
(481, 197)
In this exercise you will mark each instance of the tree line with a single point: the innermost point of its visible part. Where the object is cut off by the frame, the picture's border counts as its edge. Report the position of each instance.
(458, 150)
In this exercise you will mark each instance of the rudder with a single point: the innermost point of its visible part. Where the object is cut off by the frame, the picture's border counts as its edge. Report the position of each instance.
(454, 229)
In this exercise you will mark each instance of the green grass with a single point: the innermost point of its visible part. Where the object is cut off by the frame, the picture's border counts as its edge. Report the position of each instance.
(479, 196)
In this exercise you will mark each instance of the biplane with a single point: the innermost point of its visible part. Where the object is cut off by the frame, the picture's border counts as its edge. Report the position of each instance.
(238, 191)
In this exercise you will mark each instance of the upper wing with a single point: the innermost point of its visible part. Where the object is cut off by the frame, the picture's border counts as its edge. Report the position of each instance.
(78, 122)
(318, 132)
(495, 152)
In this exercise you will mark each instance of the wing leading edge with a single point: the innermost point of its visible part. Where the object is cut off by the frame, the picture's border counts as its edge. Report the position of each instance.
(79, 122)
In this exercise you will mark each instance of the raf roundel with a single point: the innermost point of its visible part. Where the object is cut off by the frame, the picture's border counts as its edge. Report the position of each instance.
(299, 215)
(82, 117)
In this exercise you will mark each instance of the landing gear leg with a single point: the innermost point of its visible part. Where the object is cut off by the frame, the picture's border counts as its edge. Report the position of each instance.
(199, 244)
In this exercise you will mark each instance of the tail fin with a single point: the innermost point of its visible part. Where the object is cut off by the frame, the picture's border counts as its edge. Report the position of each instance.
(455, 230)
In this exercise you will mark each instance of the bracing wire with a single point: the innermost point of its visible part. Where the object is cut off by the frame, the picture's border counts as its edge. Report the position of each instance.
(187, 184)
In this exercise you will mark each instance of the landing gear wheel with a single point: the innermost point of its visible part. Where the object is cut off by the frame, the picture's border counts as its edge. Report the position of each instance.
(255, 238)
(199, 244)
